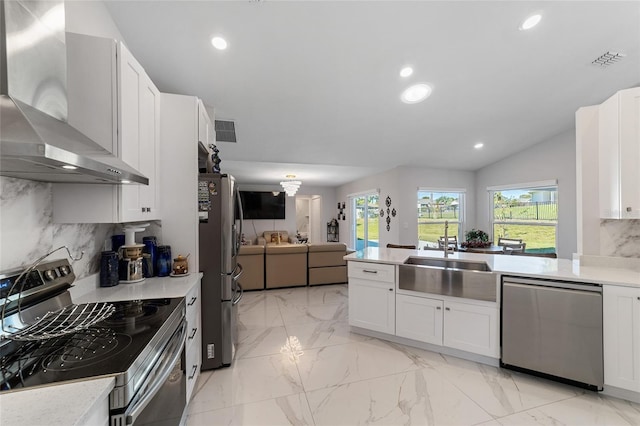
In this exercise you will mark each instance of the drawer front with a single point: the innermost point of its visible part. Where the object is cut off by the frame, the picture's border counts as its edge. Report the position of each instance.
(372, 271)
(192, 302)
(192, 364)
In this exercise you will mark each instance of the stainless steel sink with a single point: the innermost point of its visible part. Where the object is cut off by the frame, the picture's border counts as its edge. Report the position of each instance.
(457, 278)
(444, 263)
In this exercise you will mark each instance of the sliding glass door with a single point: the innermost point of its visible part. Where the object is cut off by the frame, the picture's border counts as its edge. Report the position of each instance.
(364, 232)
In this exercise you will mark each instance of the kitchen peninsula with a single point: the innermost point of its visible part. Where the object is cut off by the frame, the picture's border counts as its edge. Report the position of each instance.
(461, 317)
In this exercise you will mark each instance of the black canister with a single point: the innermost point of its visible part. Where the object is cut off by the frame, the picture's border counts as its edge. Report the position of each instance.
(117, 241)
(108, 269)
(150, 262)
(164, 261)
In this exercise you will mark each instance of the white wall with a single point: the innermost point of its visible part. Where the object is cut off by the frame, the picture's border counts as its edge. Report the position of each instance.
(92, 18)
(401, 184)
(254, 228)
(552, 159)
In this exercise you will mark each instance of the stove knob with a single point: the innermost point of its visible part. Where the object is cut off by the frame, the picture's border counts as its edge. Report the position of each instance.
(50, 275)
(64, 270)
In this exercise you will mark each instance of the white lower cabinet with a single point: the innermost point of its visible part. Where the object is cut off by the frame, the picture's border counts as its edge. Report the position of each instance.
(465, 326)
(621, 337)
(471, 328)
(419, 318)
(372, 305)
(372, 301)
(193, 345)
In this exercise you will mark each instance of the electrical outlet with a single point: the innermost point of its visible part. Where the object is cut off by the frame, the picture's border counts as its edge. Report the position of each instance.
(211, 350)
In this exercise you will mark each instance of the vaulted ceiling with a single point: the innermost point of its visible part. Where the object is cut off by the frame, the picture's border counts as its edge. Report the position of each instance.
(314, 87)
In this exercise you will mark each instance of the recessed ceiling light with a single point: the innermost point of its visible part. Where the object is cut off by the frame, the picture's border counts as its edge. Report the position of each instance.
(531, 22)
(219, 43)
(406, 72)
(416, 93)
(478, 145)
(68, 167)
(125, 181)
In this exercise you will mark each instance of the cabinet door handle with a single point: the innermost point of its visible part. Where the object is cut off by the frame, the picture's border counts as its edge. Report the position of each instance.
(193, 372)
(447, 309)
(390, 289)
(192, 301)
(638, 297)
(438, 308)
(193, 333)
(369, 271)
(142, 209)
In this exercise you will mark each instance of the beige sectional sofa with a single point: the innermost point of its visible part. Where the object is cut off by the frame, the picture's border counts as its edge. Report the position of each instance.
(252, 260)
(288, 264)
(326, 263)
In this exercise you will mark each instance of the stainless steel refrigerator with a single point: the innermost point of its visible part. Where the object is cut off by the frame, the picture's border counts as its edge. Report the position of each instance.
(220, 230)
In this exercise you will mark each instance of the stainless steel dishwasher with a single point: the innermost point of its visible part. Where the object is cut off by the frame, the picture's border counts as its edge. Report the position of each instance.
(553, 328)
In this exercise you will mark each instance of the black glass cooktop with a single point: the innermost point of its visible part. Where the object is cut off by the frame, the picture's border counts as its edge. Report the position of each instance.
(107, 348)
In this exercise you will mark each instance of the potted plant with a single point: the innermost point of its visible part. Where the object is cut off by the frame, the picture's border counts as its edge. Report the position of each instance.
(476, 238)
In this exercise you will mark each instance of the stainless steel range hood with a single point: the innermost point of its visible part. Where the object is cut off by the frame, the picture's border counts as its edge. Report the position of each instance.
(36, 142)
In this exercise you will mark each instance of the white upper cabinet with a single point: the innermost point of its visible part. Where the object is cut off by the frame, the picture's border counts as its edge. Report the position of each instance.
(114, 102)
(619, 155)
(206, 133)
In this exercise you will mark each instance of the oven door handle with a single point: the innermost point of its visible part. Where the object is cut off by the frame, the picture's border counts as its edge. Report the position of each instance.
(153, 384)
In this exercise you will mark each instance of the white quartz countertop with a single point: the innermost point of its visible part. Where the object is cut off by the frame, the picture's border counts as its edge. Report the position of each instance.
(526, 266)
(67, 404)
(71, 403)
(87, 290)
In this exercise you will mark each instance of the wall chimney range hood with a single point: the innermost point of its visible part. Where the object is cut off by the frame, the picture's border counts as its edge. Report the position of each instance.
(36, 142)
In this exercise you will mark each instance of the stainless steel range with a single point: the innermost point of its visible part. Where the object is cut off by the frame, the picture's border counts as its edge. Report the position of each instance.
(139, 343)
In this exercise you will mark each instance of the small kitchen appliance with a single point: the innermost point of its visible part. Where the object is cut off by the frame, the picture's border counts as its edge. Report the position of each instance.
(130, 268)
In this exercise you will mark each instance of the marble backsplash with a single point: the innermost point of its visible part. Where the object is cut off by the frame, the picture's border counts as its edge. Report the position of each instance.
(27, 230)
(620, 238)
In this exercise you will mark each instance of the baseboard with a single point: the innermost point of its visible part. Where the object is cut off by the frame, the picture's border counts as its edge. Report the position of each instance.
(482, 359)
(621, 393)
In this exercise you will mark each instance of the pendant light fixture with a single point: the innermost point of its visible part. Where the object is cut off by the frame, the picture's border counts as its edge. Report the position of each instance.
(290, 185)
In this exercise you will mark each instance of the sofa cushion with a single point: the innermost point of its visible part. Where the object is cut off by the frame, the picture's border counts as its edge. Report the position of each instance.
(330, 275)
(251, 249)
(313, 247)
(272, 236)
(286, 249)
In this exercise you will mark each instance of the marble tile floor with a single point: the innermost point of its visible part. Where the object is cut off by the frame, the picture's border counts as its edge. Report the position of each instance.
(297, 363)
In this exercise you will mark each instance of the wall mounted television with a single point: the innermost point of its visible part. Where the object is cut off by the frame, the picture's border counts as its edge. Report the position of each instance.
(262, 205)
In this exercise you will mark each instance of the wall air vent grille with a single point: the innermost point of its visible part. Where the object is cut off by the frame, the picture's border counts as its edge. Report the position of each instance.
(225, 131)
(608, 58)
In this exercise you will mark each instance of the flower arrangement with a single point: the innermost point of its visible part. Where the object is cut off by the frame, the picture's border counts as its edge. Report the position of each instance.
(476, 238)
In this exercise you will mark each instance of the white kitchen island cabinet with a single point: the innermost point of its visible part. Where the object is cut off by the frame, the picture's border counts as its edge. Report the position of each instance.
(419, 318)
(472, 328)
(372, 303)
(621, 337)
(114, 102)
(619, 155)
(463, 325)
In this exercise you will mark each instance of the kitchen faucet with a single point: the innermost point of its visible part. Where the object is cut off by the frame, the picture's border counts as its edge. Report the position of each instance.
(446, 240)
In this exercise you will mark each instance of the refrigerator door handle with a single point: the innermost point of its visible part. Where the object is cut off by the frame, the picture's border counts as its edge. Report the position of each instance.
(241, 217)
(238, 297)
(236, 276)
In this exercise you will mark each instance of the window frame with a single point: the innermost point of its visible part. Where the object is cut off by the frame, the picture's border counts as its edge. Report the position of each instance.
(462, 210)
(531, 186)
(353, 221)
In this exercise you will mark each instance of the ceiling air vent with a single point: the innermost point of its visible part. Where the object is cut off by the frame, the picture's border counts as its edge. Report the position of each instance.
(225, 131)
(608, 58)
